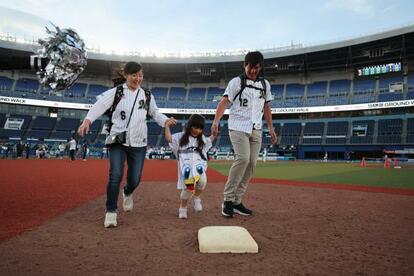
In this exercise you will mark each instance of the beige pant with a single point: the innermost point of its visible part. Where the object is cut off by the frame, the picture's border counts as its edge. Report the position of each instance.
(246, 151)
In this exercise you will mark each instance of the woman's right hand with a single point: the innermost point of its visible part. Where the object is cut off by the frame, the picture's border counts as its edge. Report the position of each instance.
(84, 127)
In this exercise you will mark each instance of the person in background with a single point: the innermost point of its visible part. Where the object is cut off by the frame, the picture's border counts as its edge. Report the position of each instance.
(72, 148)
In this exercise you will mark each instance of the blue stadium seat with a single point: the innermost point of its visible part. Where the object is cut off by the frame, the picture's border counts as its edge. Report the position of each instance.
(2, 119)
(410, 131)
(175, 104)
(43, 123)
(290, 134)
(177, 94)
(153, 140)
(160, 93)
(339, 87)
(364, 86)
(6, 84)
(196, 94)
(389, 131)
(315, 101)
(312, 133)
(37, 134)
(61, 135)
(317, 88)
(27, 86)
(337, 132)
(95, 90)
(363, 98)
(11, 133)
(67, 124)
(77, 90)
(213, 92)
(154, 128)
(295, 90)
(386, 97)
(224, 141)
(277, 91)
(410, 82)
(337, 100)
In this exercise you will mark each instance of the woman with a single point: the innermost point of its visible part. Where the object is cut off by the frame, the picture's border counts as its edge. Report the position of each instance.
(129, 130)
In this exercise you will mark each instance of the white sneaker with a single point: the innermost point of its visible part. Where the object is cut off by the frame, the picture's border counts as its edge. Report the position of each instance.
(110, 220)
(182, 213)
(128, 203)
(197, 204)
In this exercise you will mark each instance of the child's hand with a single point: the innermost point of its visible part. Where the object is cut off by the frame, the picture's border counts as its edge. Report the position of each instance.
(170, 122)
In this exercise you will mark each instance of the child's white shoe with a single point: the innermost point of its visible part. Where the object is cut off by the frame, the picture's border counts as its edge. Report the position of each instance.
(182, 213)
(110, 220)
(197, 204)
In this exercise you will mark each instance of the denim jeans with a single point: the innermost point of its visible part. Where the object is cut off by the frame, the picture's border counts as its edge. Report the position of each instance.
(135, 157)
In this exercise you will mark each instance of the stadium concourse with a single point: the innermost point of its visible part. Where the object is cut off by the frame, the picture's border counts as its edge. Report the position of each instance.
(342, 101)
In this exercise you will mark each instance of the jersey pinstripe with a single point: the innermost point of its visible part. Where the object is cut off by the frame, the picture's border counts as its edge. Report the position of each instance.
(246, 111)
(137, 131)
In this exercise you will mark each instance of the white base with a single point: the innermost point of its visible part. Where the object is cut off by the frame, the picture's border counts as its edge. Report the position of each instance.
(226, 239)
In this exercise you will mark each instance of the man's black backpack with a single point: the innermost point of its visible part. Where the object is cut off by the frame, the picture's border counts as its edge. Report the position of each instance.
(243, 85)
(117, 98)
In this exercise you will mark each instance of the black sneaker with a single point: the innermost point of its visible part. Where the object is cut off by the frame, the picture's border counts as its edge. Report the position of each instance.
(227, 209)
(241, 210)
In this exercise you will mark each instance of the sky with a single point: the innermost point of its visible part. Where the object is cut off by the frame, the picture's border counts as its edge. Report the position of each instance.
(208, 25)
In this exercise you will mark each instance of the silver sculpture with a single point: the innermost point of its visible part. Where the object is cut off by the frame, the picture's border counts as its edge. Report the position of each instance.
(65, 54)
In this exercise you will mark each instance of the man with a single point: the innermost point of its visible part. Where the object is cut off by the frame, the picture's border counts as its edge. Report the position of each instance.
(129, 130)
(249, 96)
(72, 148)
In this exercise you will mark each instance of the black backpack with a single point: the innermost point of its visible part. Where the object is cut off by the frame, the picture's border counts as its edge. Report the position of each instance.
(243, 85)
(117, 98)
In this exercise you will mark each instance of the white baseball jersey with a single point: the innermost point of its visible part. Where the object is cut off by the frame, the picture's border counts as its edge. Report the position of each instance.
(137, 130)
(72, 144)
(190, 164)
(246, 111)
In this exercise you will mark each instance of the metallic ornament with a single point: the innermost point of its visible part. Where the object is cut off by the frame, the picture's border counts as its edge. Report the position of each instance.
(66, 55)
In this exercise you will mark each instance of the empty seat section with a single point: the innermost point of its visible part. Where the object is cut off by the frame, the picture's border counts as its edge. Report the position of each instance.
(337, 132)
(339, 87)
(290, 134)
(389, 131)
(77, 90)
(410, 131)
(160, 93)
(312, 133)
(27, 86)
(67, 124)
(6, 84)
(43, 123)
(95, 90)
(213, 93)
(196, 94)
(177, 94)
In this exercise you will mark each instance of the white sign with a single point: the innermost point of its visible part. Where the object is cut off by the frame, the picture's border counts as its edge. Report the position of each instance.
(311, 109)
(14, 123)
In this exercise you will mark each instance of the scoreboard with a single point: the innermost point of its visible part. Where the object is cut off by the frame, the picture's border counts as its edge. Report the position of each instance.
(379, 69)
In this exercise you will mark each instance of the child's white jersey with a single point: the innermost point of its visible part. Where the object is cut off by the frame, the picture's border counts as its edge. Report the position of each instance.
(190, 163)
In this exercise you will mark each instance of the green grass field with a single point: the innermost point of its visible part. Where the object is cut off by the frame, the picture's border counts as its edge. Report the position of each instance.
(340, 173)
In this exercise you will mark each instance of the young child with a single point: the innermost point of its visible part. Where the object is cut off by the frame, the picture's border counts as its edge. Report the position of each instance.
(190, 147)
